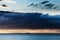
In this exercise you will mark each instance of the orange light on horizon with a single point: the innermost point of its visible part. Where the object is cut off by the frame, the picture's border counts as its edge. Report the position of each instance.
(29, 31)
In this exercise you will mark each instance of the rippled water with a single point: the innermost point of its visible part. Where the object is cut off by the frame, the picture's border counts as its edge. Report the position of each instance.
(29, 37)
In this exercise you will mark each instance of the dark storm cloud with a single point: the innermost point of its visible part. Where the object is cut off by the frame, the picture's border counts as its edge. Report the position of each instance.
(50, 6)
(28, 21)
(55, 7)
(4, 5)
(31, 4)
(46, 4)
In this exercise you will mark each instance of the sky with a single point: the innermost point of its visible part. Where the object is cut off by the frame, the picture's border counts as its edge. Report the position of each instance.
(26, 21)
(29, 31)
(23, 6)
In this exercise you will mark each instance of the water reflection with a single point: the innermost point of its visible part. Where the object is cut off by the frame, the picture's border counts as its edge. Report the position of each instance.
(29, 37)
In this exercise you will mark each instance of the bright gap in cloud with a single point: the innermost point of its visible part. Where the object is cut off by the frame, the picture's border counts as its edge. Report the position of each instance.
(9, 1)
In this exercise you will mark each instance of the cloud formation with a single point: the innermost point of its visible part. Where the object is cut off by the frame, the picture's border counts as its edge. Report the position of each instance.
(44, 2)
(45, 5)
(28, 21)
(3, 6)
(8, 1)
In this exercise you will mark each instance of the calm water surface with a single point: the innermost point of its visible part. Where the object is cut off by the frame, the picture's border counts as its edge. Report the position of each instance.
(29, 37)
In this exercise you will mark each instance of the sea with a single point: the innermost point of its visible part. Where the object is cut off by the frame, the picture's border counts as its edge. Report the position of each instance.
(29, 36)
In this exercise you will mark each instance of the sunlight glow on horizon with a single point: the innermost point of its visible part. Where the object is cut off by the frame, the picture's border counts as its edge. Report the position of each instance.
(29, 31)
